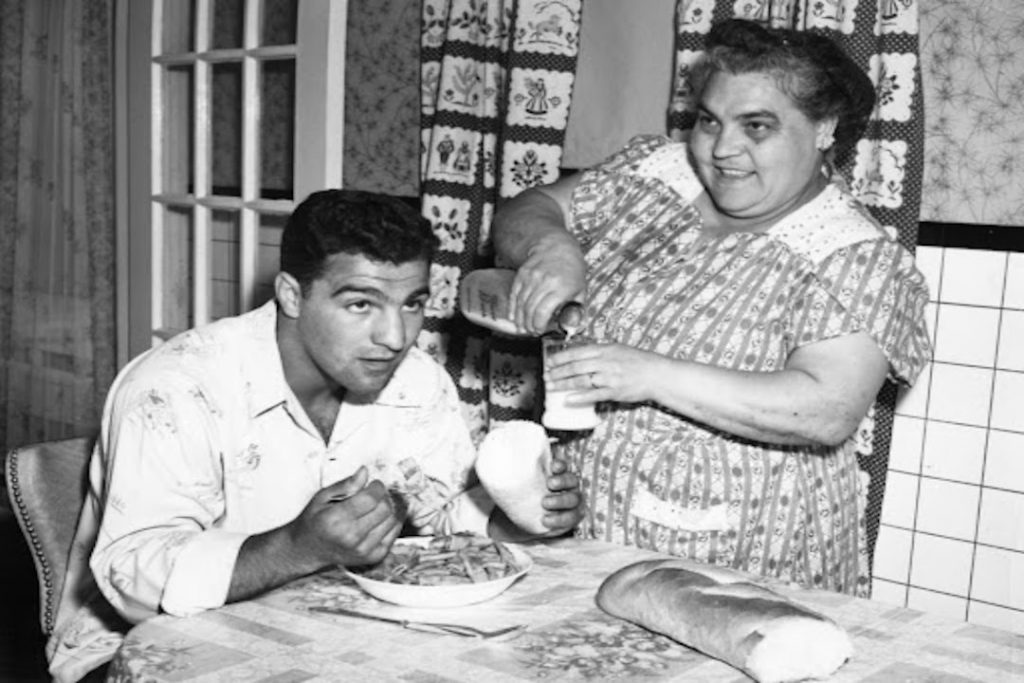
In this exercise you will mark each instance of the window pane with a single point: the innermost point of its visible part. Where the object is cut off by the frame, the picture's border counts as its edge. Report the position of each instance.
(277, 129)
(268, 256)
(177, 130)
(178, 28)
(228, 24)
(226, 131)
(279, 20)
(177, 266)
(224, 260)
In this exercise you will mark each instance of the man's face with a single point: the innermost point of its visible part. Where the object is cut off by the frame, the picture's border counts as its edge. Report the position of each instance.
(754, 150)
(359, 320)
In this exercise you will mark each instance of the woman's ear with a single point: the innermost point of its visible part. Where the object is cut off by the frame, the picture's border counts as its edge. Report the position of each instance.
(826, 134)
(288, 293)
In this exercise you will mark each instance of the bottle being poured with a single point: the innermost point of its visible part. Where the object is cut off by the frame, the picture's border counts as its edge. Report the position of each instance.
(484, 300)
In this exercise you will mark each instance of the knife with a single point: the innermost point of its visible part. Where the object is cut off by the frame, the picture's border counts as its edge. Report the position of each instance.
(425, 626)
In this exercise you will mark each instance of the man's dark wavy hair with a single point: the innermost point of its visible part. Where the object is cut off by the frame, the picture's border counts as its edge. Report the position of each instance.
(821, 79)
(379, 227)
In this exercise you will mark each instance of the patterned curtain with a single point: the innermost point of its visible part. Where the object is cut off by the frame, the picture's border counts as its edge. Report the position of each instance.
(57, 328)
(885, 171)
(496, 79)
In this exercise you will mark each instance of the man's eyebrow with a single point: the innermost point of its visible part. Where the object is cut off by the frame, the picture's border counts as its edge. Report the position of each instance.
(422, 291)
(349, 288)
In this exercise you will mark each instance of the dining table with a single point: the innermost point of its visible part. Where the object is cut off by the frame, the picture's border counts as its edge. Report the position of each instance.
(303, 631)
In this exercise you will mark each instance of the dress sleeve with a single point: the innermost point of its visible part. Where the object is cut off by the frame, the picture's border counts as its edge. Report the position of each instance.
(155, 548)
(870, 286)
(645, 186)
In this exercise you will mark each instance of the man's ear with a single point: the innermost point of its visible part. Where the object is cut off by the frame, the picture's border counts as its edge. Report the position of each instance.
(288, 293)
(825, 134)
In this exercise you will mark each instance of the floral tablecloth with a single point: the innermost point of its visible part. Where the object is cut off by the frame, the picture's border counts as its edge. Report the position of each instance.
(278, 637)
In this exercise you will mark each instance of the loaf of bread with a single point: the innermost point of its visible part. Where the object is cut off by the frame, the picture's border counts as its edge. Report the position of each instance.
(714, 610)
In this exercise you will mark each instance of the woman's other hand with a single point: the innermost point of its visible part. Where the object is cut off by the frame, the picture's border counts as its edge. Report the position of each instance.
(603, 372)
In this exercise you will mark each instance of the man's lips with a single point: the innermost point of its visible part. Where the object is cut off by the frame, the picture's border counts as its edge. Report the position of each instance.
(380, 365)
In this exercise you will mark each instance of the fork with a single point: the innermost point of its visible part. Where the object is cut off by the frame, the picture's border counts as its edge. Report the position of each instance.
(424, 626)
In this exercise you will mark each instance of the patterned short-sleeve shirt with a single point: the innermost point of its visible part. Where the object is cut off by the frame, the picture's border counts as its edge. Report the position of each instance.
(743, 301)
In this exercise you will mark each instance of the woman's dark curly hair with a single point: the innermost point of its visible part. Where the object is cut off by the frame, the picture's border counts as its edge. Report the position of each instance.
(380, 227)
(811, 69)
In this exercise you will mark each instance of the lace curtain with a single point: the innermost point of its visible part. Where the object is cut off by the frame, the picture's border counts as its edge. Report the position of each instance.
(57, 327)
(496, 80)
(885, 171)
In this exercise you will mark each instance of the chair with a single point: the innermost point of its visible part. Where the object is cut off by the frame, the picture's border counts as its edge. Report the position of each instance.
(46, 483)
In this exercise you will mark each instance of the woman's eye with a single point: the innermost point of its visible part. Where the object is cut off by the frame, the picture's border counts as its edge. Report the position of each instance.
(758, 129)
(706, 123)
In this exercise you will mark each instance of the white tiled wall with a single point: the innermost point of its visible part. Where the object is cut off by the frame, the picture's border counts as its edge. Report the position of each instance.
(952, 534)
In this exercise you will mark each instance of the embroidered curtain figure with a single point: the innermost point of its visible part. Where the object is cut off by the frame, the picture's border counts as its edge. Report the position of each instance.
(496, 84)
(884, 171)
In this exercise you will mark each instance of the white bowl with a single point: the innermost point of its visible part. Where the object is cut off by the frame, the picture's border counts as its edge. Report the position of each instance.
(449, 595)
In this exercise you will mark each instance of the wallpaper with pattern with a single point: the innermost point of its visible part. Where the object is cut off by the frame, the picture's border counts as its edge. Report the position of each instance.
(382, 97)
(973, 79)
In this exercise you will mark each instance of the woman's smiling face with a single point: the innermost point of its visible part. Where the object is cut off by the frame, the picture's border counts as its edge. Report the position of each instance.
(754, 150)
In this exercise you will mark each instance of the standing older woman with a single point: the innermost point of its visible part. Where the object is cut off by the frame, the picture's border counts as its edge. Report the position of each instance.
(746, 310)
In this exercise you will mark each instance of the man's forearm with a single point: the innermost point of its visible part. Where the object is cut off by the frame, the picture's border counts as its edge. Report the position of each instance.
(266, 561)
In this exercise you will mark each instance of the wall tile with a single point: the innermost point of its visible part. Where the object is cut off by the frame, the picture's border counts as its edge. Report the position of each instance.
(973, 276)
(960, 394)
(931, 320)
(913, 400)
(997, 577)
(1011, 341)
(967, 335)
(1008, 401)
(889, 592)
(947, 508)
(953, 451)
(1004, 460)
(994, 616)
(1014, 295)
(948, 606)
(1001, 520)
(929, 262)
(900, 502)
(940, 564)
(892, 554)
(906, 444)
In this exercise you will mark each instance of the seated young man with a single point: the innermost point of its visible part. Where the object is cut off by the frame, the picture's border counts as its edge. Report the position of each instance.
(307, 433)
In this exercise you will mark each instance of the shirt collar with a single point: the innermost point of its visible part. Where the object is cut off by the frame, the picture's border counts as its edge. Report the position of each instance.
(267, 386)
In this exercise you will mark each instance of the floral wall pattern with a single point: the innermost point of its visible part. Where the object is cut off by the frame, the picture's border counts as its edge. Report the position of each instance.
(382, 97)
(973, 79)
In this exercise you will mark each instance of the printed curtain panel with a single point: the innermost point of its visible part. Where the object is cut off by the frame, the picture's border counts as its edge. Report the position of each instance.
(885, 171)
(496, 78)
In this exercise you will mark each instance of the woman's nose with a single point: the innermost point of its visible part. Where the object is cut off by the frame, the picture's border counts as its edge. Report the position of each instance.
(727, 143)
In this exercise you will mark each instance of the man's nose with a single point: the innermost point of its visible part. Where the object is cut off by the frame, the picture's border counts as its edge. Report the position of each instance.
(390, 331)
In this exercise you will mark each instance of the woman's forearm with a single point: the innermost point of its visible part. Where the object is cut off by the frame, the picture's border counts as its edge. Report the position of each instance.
(532, 220)
(810, 401)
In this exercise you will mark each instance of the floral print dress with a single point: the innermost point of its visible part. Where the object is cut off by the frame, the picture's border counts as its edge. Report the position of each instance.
(744, 301)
